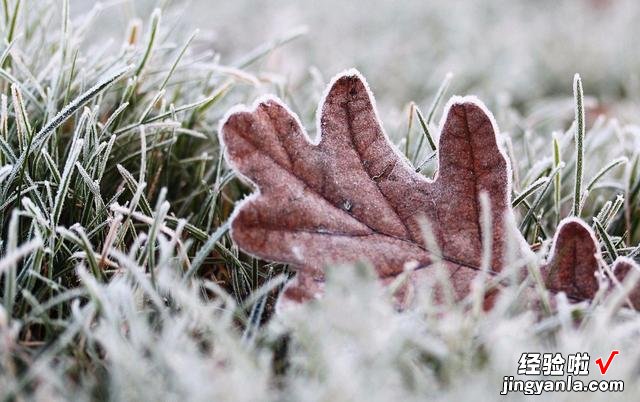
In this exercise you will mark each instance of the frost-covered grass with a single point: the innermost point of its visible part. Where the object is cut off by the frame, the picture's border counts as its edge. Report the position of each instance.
(118, 280)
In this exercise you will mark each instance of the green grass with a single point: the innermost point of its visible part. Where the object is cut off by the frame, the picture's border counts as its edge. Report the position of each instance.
(118, 280)
(109, 154)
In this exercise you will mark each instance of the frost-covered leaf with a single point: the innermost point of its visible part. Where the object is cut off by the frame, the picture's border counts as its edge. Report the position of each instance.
(574, 260)
(352, 196)
(623, 267)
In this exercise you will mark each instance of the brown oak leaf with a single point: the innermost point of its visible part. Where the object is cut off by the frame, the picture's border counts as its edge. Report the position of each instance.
(575, 260)
(621, 268)
(350, 195)
(575, 263)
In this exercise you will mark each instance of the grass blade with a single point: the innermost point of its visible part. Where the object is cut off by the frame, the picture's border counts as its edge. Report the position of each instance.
(579, 138)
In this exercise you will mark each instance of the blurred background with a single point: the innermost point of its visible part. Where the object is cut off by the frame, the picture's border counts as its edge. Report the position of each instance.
(523, 49)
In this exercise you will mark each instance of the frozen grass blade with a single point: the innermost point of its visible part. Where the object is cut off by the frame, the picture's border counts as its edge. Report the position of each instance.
(604, 211)
(22, 118)
(13, 22)
(65, 179)
(10, 259)
(153, 32)
(75, 105)
(617, 205)
(487, 231)
(158, 220)
(206, 250)
(266, 48)
(604, 236)
(611, 165)
(529, 190)
(579, 138)
(425, 132)
(424, 123)
(177, 60)
(442, 90)
(78, 236)
(407, 142)
(557, 181)
(538, 200)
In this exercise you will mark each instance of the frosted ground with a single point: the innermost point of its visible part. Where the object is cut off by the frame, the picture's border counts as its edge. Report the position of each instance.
(82, 318)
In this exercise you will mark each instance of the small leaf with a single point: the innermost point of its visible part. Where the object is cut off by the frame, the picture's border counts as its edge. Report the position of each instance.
(574, 264)
(621, 268)
(574, 260)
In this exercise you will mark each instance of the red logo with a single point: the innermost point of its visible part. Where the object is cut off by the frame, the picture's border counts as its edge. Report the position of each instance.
(605, 367)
